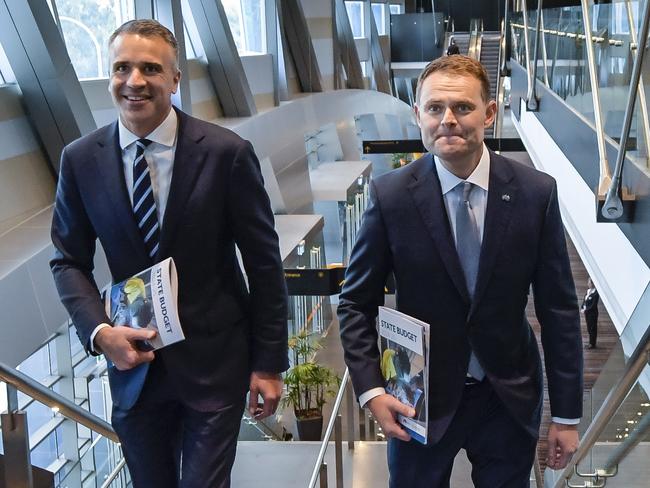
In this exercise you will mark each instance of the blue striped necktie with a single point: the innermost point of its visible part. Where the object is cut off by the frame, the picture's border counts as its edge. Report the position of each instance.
(144, 206)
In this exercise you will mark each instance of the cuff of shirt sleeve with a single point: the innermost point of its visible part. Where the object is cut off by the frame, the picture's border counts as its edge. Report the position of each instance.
(92, 337)
(560, 420)
(366, 396)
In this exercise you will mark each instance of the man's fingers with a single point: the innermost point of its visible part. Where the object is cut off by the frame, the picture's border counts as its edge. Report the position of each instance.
(252, 401)
(139, 334)
(401, 408)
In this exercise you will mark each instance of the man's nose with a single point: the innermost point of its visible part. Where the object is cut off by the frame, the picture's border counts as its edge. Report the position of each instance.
(448, 117)
(135, 78)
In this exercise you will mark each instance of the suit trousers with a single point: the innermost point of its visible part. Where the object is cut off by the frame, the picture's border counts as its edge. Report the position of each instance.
(501, 451)
(167, 444)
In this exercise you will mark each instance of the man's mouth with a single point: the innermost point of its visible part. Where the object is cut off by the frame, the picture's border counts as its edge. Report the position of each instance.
(136, 98)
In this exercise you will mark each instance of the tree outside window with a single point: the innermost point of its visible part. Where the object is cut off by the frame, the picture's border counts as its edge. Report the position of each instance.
(86, 27)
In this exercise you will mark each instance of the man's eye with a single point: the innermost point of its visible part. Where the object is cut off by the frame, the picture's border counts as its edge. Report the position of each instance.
(151, 69)
(120, 68)
(434, 109)
(463, 108)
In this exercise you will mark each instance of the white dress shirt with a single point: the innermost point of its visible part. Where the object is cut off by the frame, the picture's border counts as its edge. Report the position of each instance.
(480, 177)
(160, 159)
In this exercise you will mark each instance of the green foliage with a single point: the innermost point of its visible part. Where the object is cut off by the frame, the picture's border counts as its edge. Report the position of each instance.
(400, 159)
(308, 383)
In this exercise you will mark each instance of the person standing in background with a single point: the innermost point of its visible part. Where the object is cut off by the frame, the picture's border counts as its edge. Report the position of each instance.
(590, 309)
(453, 47)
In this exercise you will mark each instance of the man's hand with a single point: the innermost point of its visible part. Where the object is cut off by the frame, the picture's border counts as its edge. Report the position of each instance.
(562, 443)
(119, 345)
(269, 385)
(385, 409)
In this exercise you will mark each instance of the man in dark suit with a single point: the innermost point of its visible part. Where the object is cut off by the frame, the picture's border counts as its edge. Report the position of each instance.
(590, 309)
(465, 233)
(159, 183)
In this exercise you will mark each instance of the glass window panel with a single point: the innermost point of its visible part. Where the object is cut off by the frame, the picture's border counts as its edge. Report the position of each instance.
(86, 26)
(247, 24)
(6, 73)
(46, 452)
(254, 25)
(234, 14)
(193, 46)
(37, 365)
(395, 9)
(355, 15)
(379, 14)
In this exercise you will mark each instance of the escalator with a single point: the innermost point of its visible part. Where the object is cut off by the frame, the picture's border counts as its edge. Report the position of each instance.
(489, 57)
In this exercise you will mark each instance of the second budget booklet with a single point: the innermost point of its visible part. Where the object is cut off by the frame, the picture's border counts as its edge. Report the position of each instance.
(404, 348)
(148, 300)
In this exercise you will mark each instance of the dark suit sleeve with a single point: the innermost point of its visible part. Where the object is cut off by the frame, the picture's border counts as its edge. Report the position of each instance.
(72, 266)
(363, 292)
(556, 306)
(251, 218)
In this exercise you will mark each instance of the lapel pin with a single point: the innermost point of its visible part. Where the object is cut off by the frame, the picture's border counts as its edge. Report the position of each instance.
(505, 197)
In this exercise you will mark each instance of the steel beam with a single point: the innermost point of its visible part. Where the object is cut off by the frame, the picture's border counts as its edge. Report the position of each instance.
(301, 48)
(54, 101)
(347, 48)
(224, 64)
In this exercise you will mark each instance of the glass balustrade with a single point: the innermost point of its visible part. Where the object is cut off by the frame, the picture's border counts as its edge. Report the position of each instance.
(562, 63)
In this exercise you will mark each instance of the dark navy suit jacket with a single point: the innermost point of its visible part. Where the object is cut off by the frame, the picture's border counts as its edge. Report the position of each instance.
(406, 231)
(216, 200)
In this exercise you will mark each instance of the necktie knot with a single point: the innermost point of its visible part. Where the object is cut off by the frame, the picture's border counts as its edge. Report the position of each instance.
(467, 189)
(142, 143)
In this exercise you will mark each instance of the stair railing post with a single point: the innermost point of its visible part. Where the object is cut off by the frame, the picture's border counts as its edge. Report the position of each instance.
(15, 439)
(532, 100)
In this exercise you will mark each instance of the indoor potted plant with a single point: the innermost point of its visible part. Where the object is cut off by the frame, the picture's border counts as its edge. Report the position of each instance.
(308, 385)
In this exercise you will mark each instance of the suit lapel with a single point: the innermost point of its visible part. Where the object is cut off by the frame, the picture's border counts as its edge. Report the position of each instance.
(427, 196)
(502, 199)
(109, 164)
(189, 159)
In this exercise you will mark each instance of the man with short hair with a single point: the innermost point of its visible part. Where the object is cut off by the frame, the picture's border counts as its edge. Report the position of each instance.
(466, 232)
(155, 184)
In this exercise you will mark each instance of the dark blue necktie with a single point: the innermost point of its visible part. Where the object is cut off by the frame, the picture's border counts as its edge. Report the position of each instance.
(468, 246)
(144, 206)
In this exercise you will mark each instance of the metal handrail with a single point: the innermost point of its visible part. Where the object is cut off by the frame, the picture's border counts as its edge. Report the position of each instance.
(613, 401)
(605, 174)
(572, 35)
(56, 402)
(613, 207)
(641, 97)
(113, 474)
(328, 432)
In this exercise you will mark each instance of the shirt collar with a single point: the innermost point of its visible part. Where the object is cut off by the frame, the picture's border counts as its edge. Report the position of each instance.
(480, 176)
(164, 134)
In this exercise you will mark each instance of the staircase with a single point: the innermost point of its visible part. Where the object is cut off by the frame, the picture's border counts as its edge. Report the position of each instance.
(490, 43)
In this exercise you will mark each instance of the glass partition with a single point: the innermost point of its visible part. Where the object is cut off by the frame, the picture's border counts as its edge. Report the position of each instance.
(564, 62)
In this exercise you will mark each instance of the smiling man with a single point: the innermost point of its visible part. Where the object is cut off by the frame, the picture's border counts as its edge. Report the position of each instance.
(466, 232)
(155, 184)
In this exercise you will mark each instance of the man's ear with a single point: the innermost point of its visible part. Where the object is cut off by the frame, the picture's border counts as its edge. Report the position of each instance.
(490, 113)
(416, 109)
